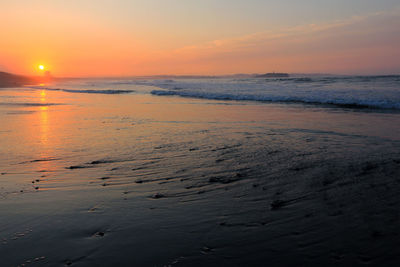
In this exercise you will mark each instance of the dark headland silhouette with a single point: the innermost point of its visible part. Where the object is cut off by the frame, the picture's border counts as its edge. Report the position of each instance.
(14, 80)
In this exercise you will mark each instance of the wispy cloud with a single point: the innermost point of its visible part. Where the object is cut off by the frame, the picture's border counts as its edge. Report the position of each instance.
(359, 44)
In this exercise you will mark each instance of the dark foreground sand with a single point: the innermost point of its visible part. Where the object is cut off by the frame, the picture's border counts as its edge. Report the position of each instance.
(140, 180)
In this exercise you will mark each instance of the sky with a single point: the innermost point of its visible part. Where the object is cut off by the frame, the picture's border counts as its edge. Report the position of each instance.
(210, 37)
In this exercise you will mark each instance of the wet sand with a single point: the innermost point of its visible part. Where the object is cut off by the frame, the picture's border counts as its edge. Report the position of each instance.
(141, 180)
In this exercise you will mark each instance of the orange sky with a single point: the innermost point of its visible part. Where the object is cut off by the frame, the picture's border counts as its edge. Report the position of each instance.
(106, 40)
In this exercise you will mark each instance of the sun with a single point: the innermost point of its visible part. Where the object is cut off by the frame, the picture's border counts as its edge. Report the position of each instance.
(41, 67)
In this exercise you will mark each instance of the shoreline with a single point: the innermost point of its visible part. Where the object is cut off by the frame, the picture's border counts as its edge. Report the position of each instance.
(153, 181)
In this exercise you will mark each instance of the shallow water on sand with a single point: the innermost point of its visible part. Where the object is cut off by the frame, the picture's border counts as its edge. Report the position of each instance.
(138, 179)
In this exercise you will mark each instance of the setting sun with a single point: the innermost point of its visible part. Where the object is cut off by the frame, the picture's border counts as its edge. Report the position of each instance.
(41, 67)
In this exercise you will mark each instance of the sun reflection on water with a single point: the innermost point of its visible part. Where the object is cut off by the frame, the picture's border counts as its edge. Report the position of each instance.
(44, 124)
(43, 96)
(44, 128)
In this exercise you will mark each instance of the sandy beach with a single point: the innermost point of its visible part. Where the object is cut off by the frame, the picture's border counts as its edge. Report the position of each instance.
(146, 180)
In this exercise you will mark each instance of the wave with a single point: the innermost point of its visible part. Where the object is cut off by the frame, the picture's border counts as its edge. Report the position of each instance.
(85, 91)
(109, 92)
(377, 92)
(311, 99)
(29, 104)
(295, 78)
(336, 79)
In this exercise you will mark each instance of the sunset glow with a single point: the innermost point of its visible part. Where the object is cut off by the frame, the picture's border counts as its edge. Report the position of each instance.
(125, 38)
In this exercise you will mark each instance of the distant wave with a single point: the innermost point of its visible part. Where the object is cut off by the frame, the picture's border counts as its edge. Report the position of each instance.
(292, 79)
(334, 79)
(109, 92)
(29, 104)
(85, 91)
(295, 80)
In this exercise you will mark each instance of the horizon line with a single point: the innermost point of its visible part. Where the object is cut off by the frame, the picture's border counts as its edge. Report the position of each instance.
(201, 75)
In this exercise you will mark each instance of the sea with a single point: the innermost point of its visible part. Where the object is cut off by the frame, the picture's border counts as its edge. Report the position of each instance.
(201, 171)
(379, 92)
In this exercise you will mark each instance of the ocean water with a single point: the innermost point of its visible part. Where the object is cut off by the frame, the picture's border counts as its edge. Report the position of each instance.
(207, 171)
(380, 92)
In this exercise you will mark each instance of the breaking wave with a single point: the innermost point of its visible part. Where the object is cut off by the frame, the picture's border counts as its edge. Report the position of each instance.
(348, 103)
(378, 92)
